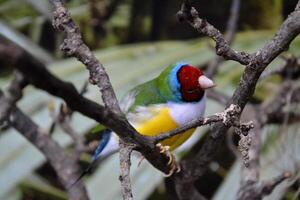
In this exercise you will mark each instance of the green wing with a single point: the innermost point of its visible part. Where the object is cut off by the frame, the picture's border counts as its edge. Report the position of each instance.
(142, 95)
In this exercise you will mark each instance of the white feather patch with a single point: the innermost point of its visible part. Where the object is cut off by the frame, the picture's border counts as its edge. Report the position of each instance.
(183, 113)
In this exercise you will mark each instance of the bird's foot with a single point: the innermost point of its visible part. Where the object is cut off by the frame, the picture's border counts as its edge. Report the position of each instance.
(175, 167)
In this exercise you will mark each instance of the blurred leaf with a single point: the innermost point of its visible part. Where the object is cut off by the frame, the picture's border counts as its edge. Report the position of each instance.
(42, 6)
(14, 36)
(42, 189)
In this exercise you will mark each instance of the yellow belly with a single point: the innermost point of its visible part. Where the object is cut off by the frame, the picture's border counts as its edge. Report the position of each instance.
(161, 123)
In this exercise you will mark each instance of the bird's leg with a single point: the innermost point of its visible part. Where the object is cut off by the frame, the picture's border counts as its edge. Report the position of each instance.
(175, 167)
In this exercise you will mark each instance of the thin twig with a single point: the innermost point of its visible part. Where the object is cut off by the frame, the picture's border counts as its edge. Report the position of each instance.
(125, 163)
(190, 14)
(229, 37)
(13, 94)
(254, 190)
(227, 117)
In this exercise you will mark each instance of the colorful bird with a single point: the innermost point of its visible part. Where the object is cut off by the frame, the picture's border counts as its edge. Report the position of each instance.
(162, 104)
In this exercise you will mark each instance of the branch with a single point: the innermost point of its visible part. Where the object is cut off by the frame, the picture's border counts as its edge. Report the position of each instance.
(227, 117)
(193, 168)
(229, 36)
(187, 191)
(190, 14)
(13, 94)
(251, 187)
(289, 70)
(274, 110)
(63, 118)
(73, 45)
(37, 75)
(125, 153)
(65, 167)
(254, 191)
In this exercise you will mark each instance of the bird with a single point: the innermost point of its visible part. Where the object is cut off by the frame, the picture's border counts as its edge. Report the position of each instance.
(172, 99)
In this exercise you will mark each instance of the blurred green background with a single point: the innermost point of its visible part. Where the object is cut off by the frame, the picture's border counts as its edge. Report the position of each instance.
(135, 40)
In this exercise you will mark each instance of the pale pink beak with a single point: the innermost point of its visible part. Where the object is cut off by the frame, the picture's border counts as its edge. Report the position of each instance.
(205, 82)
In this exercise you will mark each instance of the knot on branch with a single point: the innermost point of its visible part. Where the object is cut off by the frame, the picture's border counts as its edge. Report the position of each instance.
(244, 146)
(61, 18)
(222, 48)
(187, 13)
(244, 128)
(245, 140)
(230, 115)
(71, 45)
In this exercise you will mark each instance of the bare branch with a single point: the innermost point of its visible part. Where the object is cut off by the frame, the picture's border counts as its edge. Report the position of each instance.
(255, 191)
(227, 117)
(37, 75)
(74, 46)
(190, 14)
(233, 21)
(63, 118)
(65, 166)
(125, 153)
(229, 36)
(13, 94)
(289, 70)
(268, 187)
(256, 63)
(251, 187)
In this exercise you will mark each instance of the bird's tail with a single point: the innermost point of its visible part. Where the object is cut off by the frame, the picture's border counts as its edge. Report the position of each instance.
(107, 145)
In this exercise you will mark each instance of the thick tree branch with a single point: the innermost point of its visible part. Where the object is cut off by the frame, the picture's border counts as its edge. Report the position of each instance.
(256, 63)
(37, 75)
(74, 46)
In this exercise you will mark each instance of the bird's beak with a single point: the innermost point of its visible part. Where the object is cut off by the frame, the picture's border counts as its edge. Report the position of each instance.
(205, 82)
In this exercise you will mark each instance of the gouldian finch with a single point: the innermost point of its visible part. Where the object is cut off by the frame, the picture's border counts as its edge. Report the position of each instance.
(162, 104)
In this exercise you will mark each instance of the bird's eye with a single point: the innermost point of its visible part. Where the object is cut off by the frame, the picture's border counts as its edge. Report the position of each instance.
(190, 90)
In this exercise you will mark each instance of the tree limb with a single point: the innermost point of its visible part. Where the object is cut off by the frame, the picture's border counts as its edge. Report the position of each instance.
(190, 15)
(229, 36)
(256, 63)
(125, 153)
(66, 167)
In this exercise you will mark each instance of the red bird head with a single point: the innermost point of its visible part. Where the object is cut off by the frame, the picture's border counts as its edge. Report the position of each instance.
(192, 83)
